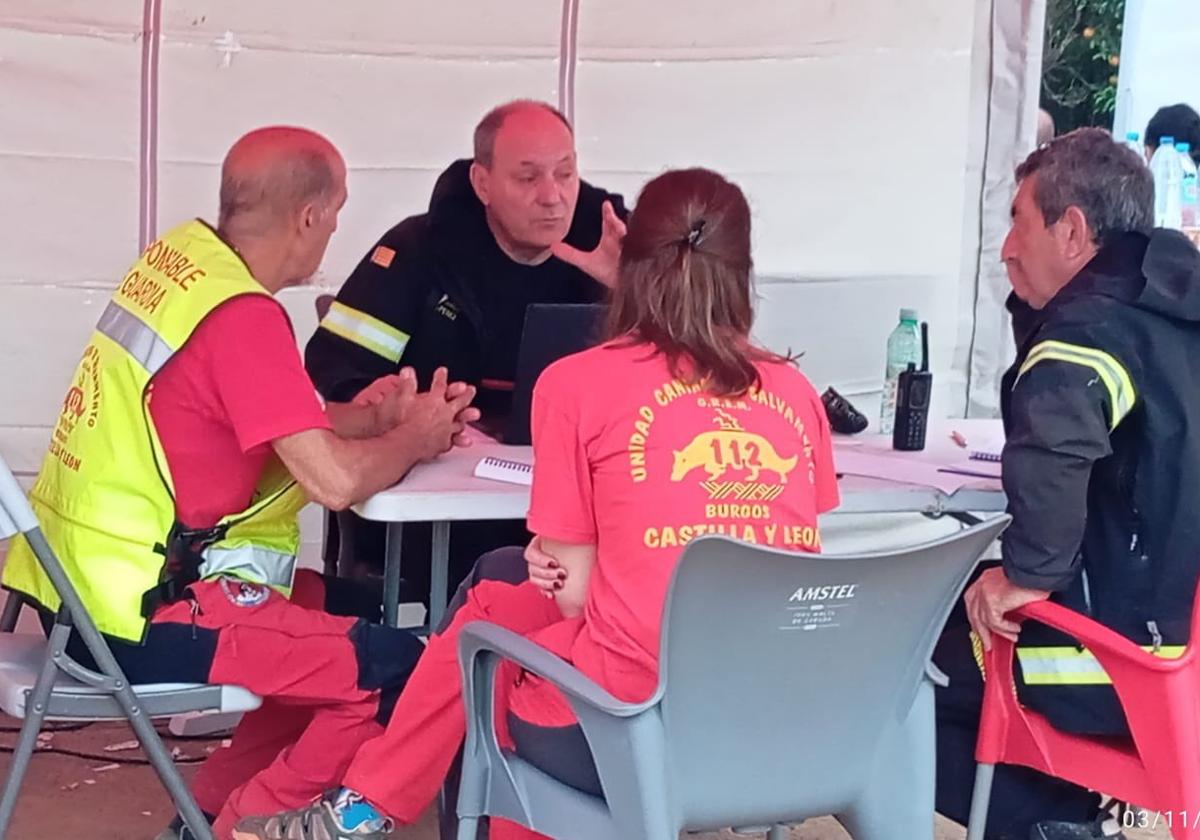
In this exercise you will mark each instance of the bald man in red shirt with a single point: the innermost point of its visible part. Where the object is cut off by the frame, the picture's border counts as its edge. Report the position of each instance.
(230, 403)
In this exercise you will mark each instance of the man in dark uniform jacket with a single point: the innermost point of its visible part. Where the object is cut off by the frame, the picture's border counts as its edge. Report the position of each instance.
(449, 288)
(1100, 466)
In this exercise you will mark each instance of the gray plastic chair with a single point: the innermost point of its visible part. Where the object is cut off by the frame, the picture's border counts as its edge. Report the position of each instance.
(791, 686)
(38, 681)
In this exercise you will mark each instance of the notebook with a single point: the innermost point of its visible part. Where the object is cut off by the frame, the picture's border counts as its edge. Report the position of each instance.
(503, 469)
(990, 454)
(982, 461)
(989, 448)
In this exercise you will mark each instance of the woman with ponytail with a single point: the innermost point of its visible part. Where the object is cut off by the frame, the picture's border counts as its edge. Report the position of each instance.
(679, 425)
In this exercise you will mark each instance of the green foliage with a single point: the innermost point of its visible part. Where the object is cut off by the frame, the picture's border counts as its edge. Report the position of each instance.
(1080, 61)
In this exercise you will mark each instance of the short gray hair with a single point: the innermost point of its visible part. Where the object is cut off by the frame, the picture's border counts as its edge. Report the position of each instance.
(276, 170)
(1087, 169)
(493, 120)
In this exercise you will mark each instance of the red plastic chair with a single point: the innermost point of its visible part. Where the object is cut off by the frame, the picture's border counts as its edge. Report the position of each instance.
(1158, 769)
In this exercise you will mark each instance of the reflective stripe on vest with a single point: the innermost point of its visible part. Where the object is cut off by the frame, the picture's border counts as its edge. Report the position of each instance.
(1112, 373)
(137, 338)
(367, 331)
(254, 558)
(250, 563)
(1072, 666)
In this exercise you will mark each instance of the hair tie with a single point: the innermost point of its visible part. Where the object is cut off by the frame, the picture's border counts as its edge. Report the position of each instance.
(695, 234)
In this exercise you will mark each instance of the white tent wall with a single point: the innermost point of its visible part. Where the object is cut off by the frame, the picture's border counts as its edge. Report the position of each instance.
(844, 122)
(69, 91)
(1004, 132)
(1160, 61)
(871, 137)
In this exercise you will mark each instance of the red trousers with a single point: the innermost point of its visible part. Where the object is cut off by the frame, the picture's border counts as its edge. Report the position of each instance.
(309, 667)
(401, 771)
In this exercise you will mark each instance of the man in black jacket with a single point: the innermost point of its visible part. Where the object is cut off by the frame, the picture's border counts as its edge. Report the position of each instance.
(1100, 467)
(449, 288)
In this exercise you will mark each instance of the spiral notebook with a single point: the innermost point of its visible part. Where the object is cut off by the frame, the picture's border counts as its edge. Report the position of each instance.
(989, 454)
(982, 461)
(503, 469)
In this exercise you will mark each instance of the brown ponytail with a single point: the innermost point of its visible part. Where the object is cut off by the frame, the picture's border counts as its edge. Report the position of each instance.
(684, 280)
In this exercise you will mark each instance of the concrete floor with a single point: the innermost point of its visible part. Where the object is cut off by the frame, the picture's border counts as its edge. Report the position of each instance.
(69, 797)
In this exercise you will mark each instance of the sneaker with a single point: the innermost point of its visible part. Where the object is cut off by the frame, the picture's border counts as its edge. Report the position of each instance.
(1102, 828)
(843, 417)
(338, 815)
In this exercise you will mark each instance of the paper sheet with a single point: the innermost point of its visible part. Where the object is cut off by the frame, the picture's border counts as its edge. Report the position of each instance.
(905, 469)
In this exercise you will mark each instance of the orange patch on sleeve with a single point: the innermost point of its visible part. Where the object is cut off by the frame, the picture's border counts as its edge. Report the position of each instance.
(383, 256)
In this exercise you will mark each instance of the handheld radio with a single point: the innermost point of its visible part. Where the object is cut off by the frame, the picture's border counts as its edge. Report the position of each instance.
(912, 401)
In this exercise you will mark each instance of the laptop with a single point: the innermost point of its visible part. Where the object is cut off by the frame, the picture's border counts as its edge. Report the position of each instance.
(551, 331)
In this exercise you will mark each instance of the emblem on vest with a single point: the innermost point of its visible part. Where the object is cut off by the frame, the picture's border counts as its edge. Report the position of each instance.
(242, 594)
(81, 405)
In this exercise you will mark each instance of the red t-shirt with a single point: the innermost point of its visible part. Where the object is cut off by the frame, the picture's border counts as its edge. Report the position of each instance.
(235, 386)
(637, 463)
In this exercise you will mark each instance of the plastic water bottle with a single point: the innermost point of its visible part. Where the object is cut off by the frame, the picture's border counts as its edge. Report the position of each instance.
(1188, 195)
(903, 348)
(1168, 185)
(1134, 143)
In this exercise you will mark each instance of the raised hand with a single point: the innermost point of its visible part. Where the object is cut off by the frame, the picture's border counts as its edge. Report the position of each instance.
(601, 262)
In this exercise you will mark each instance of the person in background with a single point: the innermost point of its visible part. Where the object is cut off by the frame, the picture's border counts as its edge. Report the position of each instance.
(627, 437)
(1178, 121)
(1045, 127)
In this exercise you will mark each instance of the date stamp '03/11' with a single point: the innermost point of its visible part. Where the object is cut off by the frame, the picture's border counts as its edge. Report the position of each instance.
(1170, 820)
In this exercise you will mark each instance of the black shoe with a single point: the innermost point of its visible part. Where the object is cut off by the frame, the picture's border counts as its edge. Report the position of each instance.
(1051, 830)
(843, 417)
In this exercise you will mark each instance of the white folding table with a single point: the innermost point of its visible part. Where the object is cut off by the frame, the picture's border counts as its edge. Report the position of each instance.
(446, 490)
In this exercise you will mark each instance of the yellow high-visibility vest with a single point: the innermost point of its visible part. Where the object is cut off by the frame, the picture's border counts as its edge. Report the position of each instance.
(104, 496)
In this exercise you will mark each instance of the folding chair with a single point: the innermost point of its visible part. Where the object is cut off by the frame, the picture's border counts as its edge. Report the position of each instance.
(39, 681)
(791, 686)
